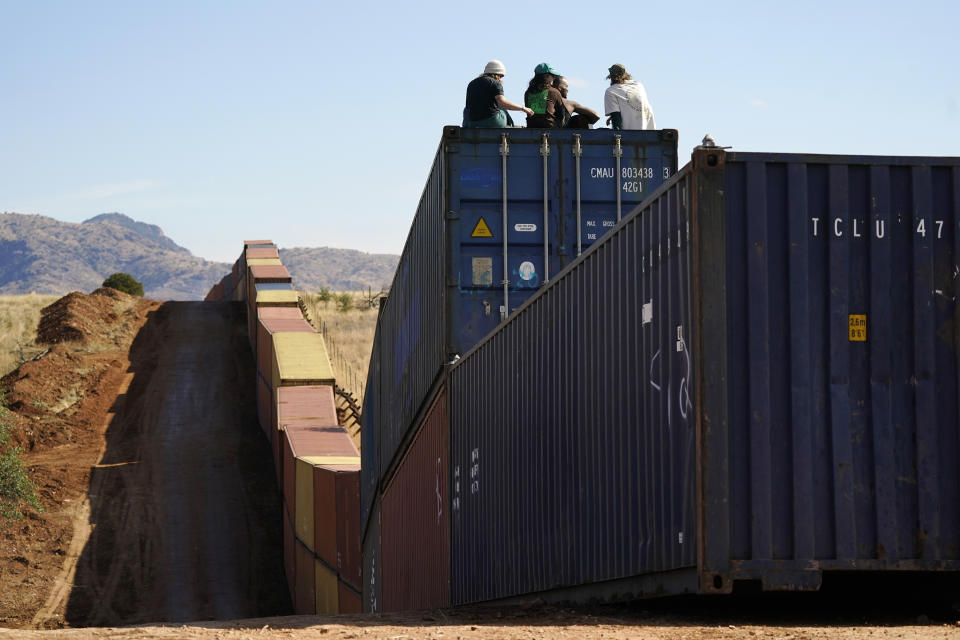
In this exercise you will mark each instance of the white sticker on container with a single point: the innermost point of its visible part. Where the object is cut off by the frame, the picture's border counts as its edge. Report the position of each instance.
(525, 227)
(482, 272)
(647, 312)
(527, 270)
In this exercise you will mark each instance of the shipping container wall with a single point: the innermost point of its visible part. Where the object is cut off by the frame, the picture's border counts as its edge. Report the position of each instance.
(349, 565)
(559, 191)
(831, 436)
(584, 468)
(415, 520)
(371, 561)
(410, 324)
(369, 436)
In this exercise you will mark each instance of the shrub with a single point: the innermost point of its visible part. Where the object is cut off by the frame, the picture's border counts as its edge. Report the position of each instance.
(124, 282)
(324, 296)
(344, 302)
(15, 487)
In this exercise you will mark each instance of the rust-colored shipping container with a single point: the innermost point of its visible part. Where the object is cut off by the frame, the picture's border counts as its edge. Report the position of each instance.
(289, 551)
(262, 252)
(305, 598)
(349, 563)
(328, 479)
(313, 445)
(350, 601)
(415, 524)
(310, 405)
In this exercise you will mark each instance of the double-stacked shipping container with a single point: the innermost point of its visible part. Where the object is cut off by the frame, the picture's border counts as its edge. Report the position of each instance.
(752, 377)
(503, 212)
(316, 463)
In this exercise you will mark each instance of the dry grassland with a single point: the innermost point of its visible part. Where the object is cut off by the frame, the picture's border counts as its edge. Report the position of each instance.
(19, 316)
(348, 335)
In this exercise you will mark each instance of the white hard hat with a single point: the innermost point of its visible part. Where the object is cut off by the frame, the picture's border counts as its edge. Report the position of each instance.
(496, 67)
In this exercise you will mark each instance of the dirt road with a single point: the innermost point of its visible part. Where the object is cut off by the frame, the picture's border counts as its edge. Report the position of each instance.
(183, 507)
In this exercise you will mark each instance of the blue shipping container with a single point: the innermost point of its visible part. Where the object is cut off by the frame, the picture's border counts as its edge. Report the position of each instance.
(753, 377)
(502, 212)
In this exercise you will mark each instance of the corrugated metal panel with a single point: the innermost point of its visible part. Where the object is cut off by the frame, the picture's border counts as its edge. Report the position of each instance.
(370, 437)
(349, 565)
(350, 600)
(327, 594)
(833, 428)
(583, 469)
(447, 291)
(300, 359)
(262, 274)
(371, 561)
(305, 599)
(255, 243)
(415, 520)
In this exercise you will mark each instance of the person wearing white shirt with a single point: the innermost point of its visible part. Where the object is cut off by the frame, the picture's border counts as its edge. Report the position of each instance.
(625, 102)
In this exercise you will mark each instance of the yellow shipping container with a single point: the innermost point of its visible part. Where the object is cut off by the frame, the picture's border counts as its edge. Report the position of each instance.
(255, 261)
(300, 358)
(328, 597)
(277, 298)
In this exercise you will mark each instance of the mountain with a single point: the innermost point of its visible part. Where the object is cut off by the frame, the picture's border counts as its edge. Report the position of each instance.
(339, 269)
(150, 231)
(44, 255)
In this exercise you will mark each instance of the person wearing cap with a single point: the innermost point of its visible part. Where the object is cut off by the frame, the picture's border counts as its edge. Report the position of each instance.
(486, 106)
(549, 111)
(625, 101)
(580, 117)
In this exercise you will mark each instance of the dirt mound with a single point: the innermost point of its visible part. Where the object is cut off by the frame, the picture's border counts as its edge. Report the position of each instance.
(57, 407)
(101, 318)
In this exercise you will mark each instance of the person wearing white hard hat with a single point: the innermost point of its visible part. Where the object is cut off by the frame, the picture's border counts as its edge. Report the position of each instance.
(486, 106)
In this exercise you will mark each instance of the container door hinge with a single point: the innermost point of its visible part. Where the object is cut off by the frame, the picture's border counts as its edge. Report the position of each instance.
(617, 148)
(544, 145)
(504, 145)
(577, 149)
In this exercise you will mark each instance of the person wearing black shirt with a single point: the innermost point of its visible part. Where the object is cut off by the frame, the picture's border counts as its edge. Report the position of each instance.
(486, 106)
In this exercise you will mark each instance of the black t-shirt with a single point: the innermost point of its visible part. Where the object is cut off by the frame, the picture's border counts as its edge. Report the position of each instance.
(480, 97)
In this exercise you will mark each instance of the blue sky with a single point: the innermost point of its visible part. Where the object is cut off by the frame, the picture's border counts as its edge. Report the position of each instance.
(315, 123)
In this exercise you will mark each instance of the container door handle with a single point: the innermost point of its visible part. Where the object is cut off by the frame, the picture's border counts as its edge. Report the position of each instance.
(504, 152)
(545, 152)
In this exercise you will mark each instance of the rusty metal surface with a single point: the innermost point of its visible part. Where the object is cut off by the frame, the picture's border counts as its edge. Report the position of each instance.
(415, 520)
(306, 403)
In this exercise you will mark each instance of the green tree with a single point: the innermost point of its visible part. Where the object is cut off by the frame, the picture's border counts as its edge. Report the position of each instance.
(124, 282)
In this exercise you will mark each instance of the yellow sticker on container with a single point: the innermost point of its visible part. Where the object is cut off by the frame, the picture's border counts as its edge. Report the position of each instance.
(481, 230)
(858, 327)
